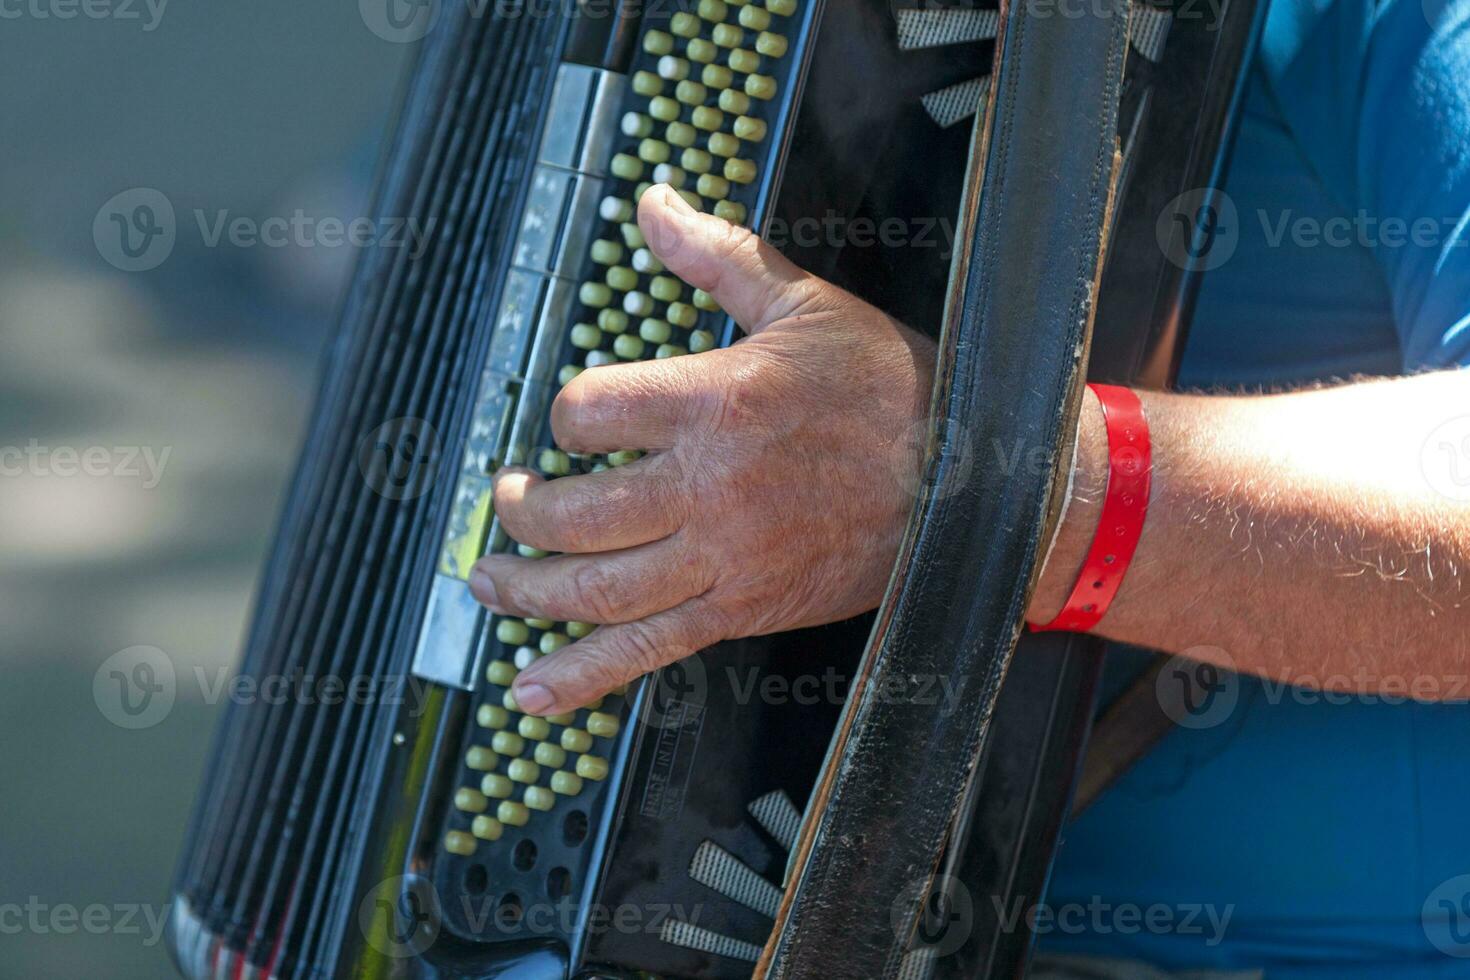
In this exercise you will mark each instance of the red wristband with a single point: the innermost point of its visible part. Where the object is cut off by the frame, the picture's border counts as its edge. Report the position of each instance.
(1125, 506)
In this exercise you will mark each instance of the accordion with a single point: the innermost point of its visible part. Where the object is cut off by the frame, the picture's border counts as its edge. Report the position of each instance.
(1025, 183)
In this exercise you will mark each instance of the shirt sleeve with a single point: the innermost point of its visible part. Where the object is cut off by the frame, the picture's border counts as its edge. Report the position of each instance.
(1378, 94)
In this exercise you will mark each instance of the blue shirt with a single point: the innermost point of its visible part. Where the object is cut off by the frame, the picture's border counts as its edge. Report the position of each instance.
(1318, 832)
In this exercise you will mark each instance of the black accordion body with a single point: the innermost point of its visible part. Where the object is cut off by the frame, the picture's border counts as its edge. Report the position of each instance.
(994, 177)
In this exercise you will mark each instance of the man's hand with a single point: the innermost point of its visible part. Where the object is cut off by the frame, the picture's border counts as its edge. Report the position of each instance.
(776, 488)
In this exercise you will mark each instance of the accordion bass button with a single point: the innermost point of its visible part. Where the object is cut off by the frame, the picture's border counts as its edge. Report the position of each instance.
(727, 36)
(539, 798)
(743, 60)
(732, 211)
(592, 767)
(632, 235)
(512, 632)
(781, 8)
(658, 42)
(723, 145)
(627, 166)
(665, 173)
(755, 18)
(653, 151)
(621, 278)
(566, 719)
(614, 208)
(496, 786)
(645, 261)
(481, 759)
(682, 314)
(646, 83)
(508, 743)
(492, 716)
(697, 160)
(533, 728)
(552, 642)
(750, 128)
(513, 813)
(636, 124)
(523, 771)
(594, 295)
(458, 842)
(664, 109)
(672, 68)
(702, 51)
(576, 740)
(602, 725)
(629, 347)
(713, 11)
(585, 336)
(760, 86)
(706, 117)
(734, 100)
(771, 45)
(551, 756)
(637, 303)
(487, 828)
(713, 185)
(566, 783)
(611, 321)
(470, 800)
(605, 252)
(701, 341)
(684, 25)
(508, 701)
(655, 331)
(666, 289)
(717, 76)
(501, 672)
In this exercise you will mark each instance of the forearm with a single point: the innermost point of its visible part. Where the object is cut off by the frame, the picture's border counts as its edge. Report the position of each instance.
(1298, 533)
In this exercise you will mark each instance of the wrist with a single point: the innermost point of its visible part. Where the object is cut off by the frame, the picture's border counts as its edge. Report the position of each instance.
(1088, 481)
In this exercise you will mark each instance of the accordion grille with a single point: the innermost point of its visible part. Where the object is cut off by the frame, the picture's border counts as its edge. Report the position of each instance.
(279, 835)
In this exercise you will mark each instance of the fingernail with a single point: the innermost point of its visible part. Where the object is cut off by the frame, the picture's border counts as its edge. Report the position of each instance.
(533, 698)
(676, 201)
(484, 587)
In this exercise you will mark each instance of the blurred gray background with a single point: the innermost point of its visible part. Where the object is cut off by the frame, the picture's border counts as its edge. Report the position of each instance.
(204, 364)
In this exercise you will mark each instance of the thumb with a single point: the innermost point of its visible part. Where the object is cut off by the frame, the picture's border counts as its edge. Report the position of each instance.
(753, 282)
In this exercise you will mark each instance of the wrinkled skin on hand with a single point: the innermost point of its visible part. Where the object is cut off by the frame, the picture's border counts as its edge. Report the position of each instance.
(777, 483)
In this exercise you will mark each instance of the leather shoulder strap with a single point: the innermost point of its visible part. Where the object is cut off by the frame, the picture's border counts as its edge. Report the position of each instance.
(1011, 371)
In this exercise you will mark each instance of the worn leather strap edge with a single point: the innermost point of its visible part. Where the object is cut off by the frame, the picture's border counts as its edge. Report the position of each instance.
(1011, 374)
